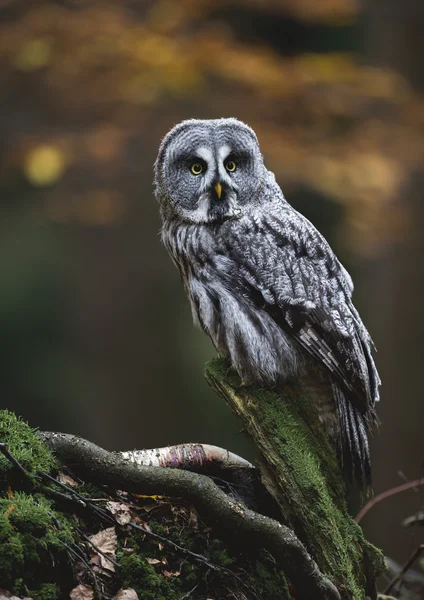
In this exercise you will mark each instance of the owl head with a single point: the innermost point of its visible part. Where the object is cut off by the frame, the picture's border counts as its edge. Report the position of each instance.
(208, 170)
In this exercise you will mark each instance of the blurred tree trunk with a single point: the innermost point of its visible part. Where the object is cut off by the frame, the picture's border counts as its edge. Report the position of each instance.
(395, 36)
(395, 284)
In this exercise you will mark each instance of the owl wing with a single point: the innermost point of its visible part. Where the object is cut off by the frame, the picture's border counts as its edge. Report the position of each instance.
(288, 269)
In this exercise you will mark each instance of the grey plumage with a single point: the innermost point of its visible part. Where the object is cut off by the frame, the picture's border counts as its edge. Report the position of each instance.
(262, 281)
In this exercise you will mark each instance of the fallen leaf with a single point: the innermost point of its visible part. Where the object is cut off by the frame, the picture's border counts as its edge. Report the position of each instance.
(128, 594)
(193, 521)
(5, 595)
(120, 511)
(95, 561)
(143, 497)
(67, 479)
(171, 573)
(142, 523)
(106, 541)
(153, 561)
(82, 592)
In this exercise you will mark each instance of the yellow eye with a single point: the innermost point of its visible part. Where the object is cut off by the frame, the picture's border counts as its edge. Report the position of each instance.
(231, 166)
(196, 168)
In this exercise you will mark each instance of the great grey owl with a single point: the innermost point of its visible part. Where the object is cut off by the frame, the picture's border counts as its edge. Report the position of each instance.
(263, 283)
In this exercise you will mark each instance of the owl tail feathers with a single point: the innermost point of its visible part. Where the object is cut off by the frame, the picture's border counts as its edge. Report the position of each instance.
(352, 444)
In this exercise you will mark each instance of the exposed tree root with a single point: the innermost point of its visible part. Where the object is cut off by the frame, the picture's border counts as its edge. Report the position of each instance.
(229, 517)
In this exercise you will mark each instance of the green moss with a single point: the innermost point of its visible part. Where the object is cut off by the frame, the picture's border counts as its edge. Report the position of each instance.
(90, 490)
(148, 579)
(24, 444)
(29, 536)
(31, 530)
(47, 591)
(149, 583)
(326, 526)
(316, 508)
(270, 580)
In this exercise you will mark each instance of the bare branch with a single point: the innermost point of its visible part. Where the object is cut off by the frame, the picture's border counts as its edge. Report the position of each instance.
(4, 450)
(405, 568)
(391, 492)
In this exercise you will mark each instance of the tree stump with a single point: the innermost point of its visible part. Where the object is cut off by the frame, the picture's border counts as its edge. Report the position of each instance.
(300, 470)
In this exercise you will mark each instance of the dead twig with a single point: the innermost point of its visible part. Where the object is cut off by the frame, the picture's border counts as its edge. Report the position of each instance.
(404, 569)
(189, 593)
(4, 450)
(391, 492)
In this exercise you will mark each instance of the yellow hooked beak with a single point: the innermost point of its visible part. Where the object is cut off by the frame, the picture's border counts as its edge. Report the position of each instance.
(218, 189)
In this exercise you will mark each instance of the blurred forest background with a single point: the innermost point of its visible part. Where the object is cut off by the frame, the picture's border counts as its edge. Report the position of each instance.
(96, 333)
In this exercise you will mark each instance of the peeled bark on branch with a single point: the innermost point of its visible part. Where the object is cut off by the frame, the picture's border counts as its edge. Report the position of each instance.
(200, 458)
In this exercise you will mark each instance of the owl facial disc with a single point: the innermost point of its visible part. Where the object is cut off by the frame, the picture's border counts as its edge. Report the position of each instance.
(208, 171)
